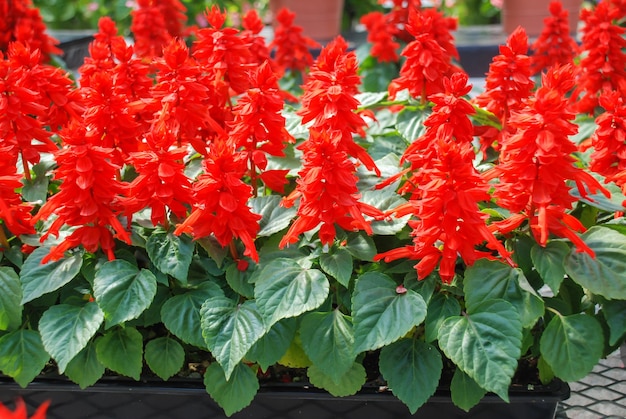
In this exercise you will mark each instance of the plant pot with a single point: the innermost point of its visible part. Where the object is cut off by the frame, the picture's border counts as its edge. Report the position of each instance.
(320, 19)
(112, 399)
(530, 14)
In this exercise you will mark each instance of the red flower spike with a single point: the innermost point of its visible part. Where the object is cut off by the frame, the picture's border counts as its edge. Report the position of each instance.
(554, 46)
(427, 61)
(253, 25)
(603, 65)
(536, 162)
(14, 213)
(221, 201)
(149, 28)
(292, 47)
(20, 411)
(508, 82)
(383, 45)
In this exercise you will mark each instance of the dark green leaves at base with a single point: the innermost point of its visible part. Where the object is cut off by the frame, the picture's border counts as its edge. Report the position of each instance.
(65, 330)
(22, 355)
(412, 369)
(85, 368)
(171, 254)
(121, 350)
(10, 297)
(381, 315)
(572, 345)
(235, 394)
(39, 279)
(348, 384)
(465, 392)
(485, 343)
(165, 356)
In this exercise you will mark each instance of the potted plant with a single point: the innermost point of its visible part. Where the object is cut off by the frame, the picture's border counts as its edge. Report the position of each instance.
(178, 219)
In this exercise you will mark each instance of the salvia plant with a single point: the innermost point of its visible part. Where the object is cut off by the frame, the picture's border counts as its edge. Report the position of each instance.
(204, 197)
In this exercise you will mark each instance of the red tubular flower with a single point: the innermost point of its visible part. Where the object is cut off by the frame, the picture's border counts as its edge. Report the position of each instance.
(258, 125)
(88, 197)
(445, 189)
(161, 184)
(508, 81)
(150, 29)
(20, 411)
(101, 56)
(223, 53)
(398, 17)
(21, 22)
(221, 201)
(427, 62)
(327, 184)
(174, 15)
(609, 140)
(292, 47)
(555, 45)
(13, 212)
(536, 163)
(253, 25)
(384, 48)
(603, 66)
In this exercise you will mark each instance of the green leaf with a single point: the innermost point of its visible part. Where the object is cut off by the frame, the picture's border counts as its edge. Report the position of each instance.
(328, 340)
(383, 202)
(411, 124)
(65, 330)
(485, 343)
(22, 355)
(170, 254)
(465, 392)
(572, 345)
(545, 371)
(165, 356)
(550, 263)
(85, 368)
(36, 188)
(286, 289)
(440, 307)
(614, 312)
(412, 369)
(381, 315)
(231, 395)
(10, 299)
(488, 279)
(39, 279)
(181, 313)
(338, 264)
(230, 330)
(604, 274)
(121, 350)
(361, 246)
(239, 281)
(275, 216)
(350, 383)
(123, 291)
(367, 99)
(273, 345)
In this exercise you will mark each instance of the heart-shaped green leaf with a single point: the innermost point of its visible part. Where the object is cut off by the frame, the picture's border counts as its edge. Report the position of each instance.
(65, 330)
(123, 291)
(274, 344)
(85, 368)
(485, 343)
(465, 392)
(22, 355)
(550, 263)
(235, 394)
(121, 350)
(165, 356)
(230, 330)
(350, 383)
(440, 307)
(170, 254)
(338, 264)
(412, 368)
(328, 341)
(381, 314)
(286, 289)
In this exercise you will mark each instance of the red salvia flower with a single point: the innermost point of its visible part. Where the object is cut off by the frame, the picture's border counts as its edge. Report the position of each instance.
(603, 66)
(384, 48)
(221, 201)
(398, 17)
(150, 29)
(223, 53)
(620, 5)
(427, 62)
(174, 15)
(609, 140)
(253, 25)
(555, 45)
(293, 49)
(20, 411)
(88, 197)
(161, 183)
(21, 22)
(508, 82)
(327, 184)
(445, 189)
(15, 214)
(536, 164)
(101, 56)
(259, 127)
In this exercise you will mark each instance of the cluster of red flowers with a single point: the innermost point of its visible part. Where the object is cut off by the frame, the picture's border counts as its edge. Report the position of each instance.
(293, 48)
(445, 189)
(327, 186)
(20, 411)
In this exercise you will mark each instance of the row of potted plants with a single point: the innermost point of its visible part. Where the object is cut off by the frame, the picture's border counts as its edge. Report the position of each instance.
(354, 219)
